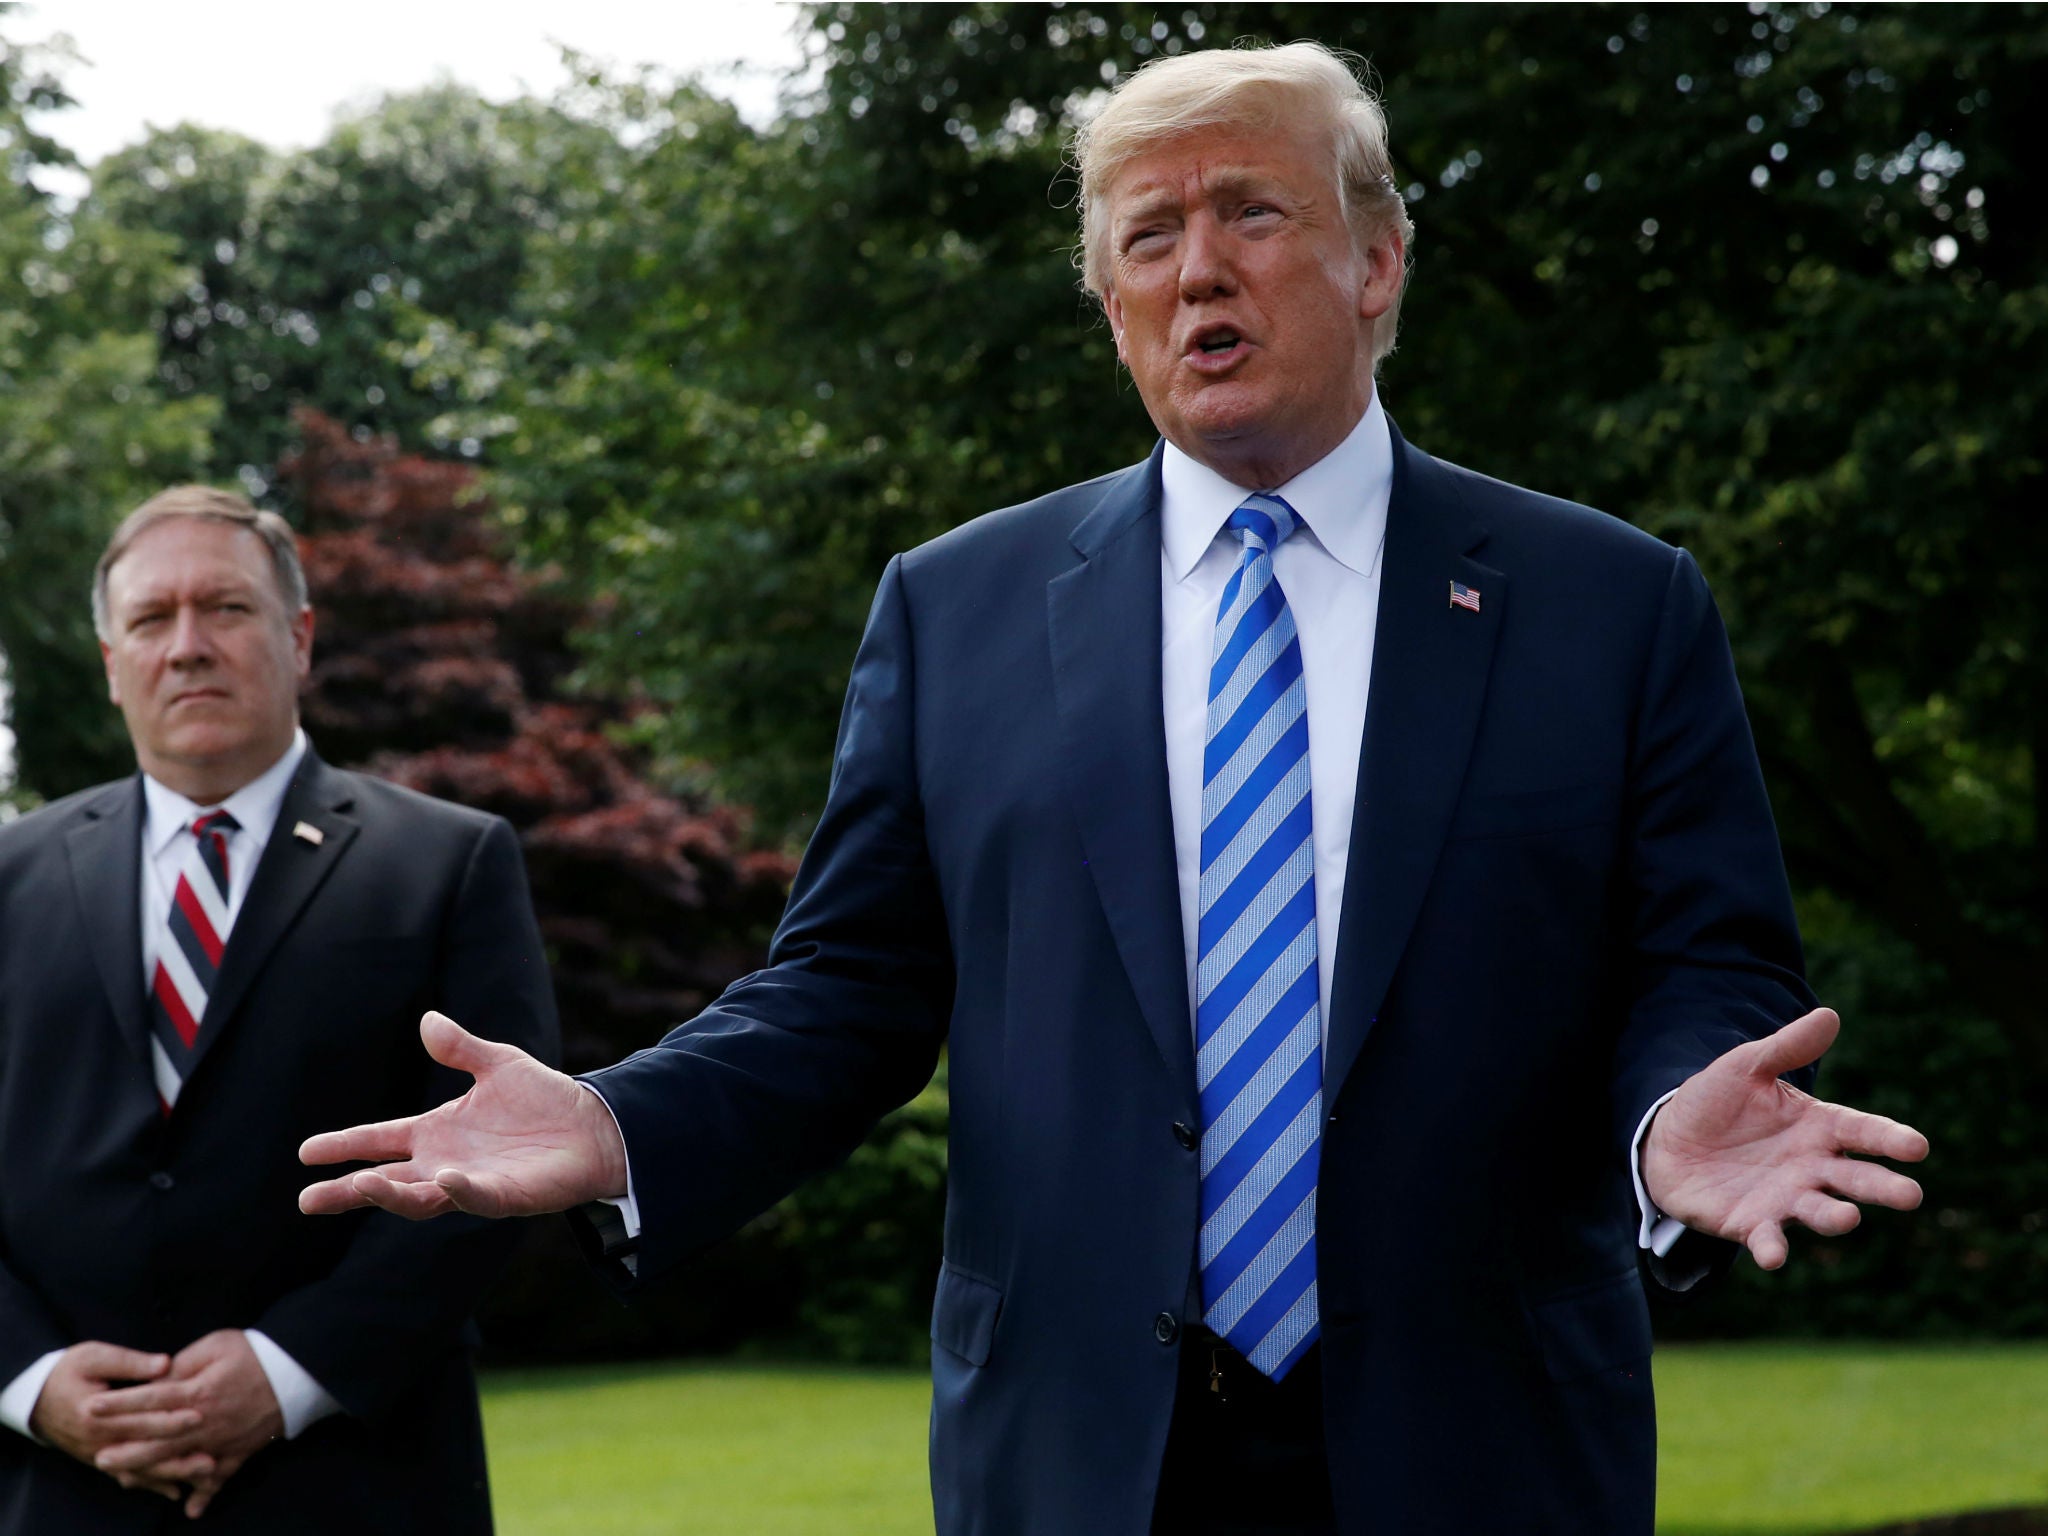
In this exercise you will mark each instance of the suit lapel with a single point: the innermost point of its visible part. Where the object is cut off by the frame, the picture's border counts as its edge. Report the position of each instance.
(293, 867)
(1429, 670)
(1103, 617)
(106, 874)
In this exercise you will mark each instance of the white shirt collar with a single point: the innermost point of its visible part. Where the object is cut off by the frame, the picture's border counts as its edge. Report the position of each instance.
(1341, 499)
(254, 806)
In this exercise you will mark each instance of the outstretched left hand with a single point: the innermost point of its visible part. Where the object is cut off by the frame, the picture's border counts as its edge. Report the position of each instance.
(1737, 1153)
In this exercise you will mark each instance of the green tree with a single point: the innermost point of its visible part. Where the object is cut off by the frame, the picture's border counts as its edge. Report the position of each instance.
(309, 267)
(1765, 279)
(86, 431)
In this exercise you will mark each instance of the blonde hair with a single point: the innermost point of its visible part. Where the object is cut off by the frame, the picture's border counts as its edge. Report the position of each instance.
(1257, 88)
(210, 506)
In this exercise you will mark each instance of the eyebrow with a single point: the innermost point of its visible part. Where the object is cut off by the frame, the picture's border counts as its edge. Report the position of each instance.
(150, 599)
(1149, 199)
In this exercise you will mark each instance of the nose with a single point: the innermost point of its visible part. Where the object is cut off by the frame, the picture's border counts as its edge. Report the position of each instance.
(189, 643)
(1206, 267)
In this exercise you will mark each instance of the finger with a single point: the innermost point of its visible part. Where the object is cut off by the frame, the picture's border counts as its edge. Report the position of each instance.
(111, 1362)
(202, 1495)
(1798, 1044)
(150, 1397)
(140, 1456)
(183, 1469)
(1857, 1130)
(453, 1046)
(386, 1141)
(1825, 1214)
(161, 1424)
(479, 1197)
(330, 1197)
(157, 1486)
(416, 1200)
(1870, 1184)
(1766, 1243)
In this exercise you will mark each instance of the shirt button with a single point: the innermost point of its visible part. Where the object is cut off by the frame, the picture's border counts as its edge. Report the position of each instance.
(161, 1180)
(1165, 1328)
(1186, 1135)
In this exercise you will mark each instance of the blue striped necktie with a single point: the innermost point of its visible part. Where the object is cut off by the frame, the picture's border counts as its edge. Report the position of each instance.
(1258, 1025)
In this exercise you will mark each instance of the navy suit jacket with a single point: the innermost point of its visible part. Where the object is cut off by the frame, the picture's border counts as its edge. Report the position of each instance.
(121, 1225)
(1564, 897)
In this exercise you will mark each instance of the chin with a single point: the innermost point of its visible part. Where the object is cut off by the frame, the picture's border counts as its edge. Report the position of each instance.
(1222, 415)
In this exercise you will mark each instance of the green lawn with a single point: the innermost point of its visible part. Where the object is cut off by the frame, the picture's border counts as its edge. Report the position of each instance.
(1756, 1439)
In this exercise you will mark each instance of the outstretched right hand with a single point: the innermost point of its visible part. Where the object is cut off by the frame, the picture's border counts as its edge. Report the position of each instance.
(524, 1140)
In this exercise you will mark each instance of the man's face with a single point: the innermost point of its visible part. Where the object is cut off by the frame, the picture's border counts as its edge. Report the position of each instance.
(1239, 302)
(202, 657)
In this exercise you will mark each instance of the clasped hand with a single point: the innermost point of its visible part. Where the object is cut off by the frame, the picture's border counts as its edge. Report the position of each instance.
(176, 1425)
(1738, 1153)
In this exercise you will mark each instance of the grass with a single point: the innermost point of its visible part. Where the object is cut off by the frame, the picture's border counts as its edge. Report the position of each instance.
(1758, 1440)
(1821, 1438)
(688, 1450)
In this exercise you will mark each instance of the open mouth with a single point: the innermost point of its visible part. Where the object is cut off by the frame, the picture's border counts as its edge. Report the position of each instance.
(1216, 349)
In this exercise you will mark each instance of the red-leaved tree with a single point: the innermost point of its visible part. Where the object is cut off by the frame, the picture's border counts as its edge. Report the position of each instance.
(441, 666)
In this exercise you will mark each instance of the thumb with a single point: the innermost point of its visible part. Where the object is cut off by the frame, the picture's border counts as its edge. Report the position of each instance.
(453, 1046)
(1798, 1044)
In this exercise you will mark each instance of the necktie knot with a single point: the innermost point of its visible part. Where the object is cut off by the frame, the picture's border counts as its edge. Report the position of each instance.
(212, 830)
(215, 821)
(1264, 521)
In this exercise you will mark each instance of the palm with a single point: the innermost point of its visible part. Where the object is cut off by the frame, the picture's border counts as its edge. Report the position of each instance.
(524, 1140)
(1738, 1153)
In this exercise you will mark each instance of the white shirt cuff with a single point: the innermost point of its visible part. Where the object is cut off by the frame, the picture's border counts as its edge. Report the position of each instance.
(302, 1400)
(628, 1206)
(18, 1398)
(1658, 1233)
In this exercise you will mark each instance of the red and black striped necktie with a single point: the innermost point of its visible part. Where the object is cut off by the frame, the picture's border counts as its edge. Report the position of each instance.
(189, 951)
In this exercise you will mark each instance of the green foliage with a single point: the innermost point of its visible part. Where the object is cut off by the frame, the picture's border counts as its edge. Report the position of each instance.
(864, 1242)
(308, 270)
(1768, 280)
(85, 433)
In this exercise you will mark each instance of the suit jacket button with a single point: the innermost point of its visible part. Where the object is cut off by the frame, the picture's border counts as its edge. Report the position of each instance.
(1186, 1135)
(161, 1180)
(1165, 1328)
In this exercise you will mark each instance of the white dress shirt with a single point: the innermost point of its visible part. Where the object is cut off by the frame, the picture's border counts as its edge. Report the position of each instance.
(1329, 570)
(167, 813)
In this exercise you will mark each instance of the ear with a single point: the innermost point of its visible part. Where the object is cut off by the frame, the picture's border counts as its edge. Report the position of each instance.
(113, 683)
(1385, 262)
(1113, 307)
(302, 643)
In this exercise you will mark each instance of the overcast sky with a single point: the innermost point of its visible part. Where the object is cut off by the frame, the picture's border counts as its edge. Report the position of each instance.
(277, 71)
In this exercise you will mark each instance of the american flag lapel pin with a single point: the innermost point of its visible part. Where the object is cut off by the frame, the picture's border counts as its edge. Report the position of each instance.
(306, 832)
(1463, 596)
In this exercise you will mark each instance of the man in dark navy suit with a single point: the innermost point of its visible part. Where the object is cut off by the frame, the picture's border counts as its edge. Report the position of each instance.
(1347, 891)
(199, 965)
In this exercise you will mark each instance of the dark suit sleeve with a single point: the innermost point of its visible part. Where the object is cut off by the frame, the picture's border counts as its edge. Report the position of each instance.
(1714, 958)
(27, 1331)
(396, 1304)
(785, 1073)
